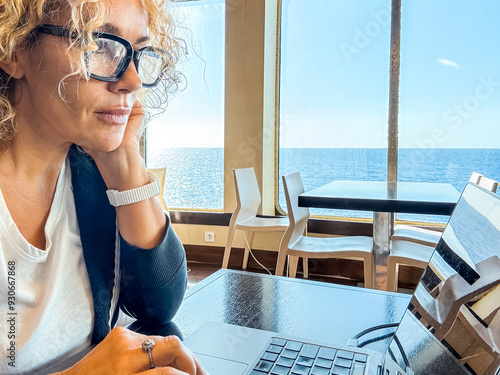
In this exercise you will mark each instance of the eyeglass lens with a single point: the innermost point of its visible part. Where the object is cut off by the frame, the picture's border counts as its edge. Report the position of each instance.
(150, 66)
(109, 59)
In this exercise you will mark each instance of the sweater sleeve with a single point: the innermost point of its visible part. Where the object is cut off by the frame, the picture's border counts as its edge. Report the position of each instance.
(153, 281)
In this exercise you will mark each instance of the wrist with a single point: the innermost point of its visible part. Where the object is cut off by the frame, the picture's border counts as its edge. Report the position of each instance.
(122, 169)
(122, 198)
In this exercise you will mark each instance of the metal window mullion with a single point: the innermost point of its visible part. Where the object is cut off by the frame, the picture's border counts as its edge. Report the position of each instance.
(392, 151)
(383, 222)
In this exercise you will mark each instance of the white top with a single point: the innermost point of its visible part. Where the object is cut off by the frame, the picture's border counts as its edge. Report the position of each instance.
(46, 307)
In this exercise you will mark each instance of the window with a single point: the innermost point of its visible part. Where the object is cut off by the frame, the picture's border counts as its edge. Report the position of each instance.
(334, 89)
(449, 92)
(188, 137)
(334, 92)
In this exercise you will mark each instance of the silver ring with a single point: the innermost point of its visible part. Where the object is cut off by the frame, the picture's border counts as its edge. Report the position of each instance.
(148, 346)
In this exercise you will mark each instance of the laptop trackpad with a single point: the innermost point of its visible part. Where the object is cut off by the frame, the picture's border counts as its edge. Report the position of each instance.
(215, 365)
(219, 346)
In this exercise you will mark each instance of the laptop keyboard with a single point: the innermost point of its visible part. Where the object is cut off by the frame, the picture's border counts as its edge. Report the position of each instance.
(285, 357)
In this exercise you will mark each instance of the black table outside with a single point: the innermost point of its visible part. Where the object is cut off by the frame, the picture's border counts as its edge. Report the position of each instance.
(378, 196)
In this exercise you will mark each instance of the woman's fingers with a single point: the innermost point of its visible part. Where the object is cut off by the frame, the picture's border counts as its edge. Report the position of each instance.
(163, 371)
(122, 352)
(170, 351)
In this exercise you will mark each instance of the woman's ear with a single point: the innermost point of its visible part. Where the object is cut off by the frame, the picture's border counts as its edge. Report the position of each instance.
(14, 67)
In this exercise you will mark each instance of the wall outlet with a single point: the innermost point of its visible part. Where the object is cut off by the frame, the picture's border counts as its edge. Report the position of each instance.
(209, 237)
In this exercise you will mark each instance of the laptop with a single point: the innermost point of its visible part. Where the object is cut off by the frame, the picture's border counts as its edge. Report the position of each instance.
(435, 336)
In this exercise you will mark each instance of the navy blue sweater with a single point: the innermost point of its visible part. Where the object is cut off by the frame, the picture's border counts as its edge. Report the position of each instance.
(147, 284)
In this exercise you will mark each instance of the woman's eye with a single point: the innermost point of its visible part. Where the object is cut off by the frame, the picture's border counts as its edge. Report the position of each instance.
(103, 47)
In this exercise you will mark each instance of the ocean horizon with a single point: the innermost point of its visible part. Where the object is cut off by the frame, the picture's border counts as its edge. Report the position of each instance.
(195, 176)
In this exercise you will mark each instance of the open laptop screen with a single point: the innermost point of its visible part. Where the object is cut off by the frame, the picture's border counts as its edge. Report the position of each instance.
(452, 325)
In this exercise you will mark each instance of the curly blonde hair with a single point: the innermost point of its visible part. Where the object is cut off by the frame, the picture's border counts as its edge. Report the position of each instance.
(18, 19)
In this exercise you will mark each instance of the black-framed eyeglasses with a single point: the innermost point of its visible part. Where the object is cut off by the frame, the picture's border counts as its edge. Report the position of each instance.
(113, 56)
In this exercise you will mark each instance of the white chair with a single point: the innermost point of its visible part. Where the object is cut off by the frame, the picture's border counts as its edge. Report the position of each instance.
(160, 174)
(295, 244)
(440, 311)
(425, 236)
(411, 246)
(245, 218)
(405, 253)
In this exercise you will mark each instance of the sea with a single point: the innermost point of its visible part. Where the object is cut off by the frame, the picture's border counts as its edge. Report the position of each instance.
(195, 176)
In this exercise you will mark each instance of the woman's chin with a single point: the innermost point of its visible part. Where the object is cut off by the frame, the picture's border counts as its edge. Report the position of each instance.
(105, 145)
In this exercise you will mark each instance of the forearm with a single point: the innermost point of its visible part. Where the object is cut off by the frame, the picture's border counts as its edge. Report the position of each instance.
(141, 224)
(153, 281)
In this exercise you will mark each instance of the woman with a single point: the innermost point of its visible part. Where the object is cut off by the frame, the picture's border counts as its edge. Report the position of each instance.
(81, 234)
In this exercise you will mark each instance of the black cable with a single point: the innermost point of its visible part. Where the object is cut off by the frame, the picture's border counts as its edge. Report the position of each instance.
(375, 328)
(393, 334)
(401, 350)
(379, 338)
(393, 357)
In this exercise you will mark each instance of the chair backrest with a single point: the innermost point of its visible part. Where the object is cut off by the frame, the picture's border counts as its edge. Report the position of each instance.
(298, 216)
(488, 183)
(160, 174)
(475, 177)
(484, 182)
(248, 196)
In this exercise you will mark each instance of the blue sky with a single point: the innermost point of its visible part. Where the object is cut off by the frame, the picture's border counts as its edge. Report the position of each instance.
(335, 77)
(194, 117)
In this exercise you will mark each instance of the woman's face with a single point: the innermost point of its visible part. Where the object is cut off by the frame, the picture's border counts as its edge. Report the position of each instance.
(92, 113)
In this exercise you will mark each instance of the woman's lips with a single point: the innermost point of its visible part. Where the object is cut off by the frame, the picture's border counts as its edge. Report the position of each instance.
(114, 116)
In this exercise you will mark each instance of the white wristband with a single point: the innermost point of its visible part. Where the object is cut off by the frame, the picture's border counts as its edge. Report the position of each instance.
(122, 198)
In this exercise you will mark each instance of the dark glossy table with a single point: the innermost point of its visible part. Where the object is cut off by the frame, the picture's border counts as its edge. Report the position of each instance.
(384, 199)
(378, 196)
(309, 309)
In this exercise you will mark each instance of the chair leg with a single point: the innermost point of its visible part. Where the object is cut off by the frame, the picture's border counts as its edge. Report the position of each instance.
(392, 275)
(293, 263)
(305, 265)
(368, 272)
(280, 263)
(248, 247)
(229, 244)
